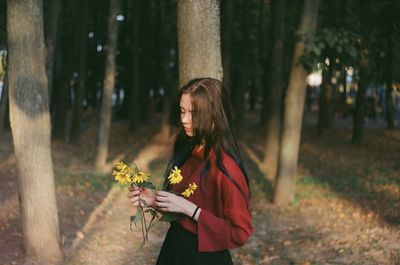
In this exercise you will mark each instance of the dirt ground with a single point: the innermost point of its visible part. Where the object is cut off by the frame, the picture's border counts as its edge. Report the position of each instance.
(347, 208)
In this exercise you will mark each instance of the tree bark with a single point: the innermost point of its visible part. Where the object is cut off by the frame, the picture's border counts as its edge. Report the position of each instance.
(30, 125)
(359, 114)
(199, 40)
(293, 115)
(276, 86)
(165, 132)
(324, 101)
(3, 104)
(227, 27)
(264, 62)
(83, 62)
(62, 86)
(52, 40)
(108, 87)
(389, 115)
(135, 79)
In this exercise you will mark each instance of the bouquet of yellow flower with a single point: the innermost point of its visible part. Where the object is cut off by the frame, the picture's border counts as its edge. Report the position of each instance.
(134, 177)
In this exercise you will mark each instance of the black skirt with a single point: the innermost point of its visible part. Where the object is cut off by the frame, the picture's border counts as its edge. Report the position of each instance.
(181, 248)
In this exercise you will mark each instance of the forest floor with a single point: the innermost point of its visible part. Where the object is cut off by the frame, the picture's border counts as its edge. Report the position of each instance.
(346, 211)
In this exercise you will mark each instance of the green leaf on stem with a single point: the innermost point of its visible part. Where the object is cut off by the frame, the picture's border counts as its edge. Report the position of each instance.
(135, 218)
(148, 185)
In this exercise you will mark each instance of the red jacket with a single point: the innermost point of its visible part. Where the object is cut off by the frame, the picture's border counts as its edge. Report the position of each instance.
(225, 220)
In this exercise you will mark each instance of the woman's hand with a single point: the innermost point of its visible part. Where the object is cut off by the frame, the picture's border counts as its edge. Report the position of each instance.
(135, 194)
(169, 202)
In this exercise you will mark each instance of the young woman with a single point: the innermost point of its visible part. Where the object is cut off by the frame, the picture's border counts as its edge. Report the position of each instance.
(216, 217)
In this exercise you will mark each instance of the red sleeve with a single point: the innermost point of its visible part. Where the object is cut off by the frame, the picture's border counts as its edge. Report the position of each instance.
(233, 228)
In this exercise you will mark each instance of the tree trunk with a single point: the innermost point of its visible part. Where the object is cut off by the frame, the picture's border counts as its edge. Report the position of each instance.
(240, 82)
(165, 132)
(108, 87)
(51, 40)
(3, 104)
(83, 62)
(227, 24)
(294, 107)
(324, 101)
(62, 86)
(264, 62)
(359, 113)
(135, 78)
(30, 124)
(199, 40)
(275, 85)
(389, 115)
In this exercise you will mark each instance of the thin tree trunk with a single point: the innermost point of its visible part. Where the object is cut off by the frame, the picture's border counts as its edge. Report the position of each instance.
(359, 114)
(108, 87)
(294, 107)
(30, 124)
(83, 62)
(199, 40)
(276, 86)
(62, 86)
(324, 101)
(228, 13)
(51, 41)
(135, 79)
(163, 42)
(389, 115)
(3, 104)
(241, 84)
(264, 62)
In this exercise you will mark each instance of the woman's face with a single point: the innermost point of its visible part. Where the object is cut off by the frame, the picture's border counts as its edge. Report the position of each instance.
(186, 113)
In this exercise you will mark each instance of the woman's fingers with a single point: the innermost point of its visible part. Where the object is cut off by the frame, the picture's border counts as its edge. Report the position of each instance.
(163, 193)
(133, 193)
(133, 188)
(161, 205)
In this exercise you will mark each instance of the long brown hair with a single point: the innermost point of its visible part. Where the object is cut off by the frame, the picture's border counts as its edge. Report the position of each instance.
(212, 125)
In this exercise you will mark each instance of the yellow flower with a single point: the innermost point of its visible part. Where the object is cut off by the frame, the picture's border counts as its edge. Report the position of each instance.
(122, 177)
(140, 177)
(123, 174)
(175, 176)
(189, 191)
(121, 166)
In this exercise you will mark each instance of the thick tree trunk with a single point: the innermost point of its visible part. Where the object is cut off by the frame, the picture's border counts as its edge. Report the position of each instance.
(228, 16)
(108, 87)
(294, 107)
(83, 62)
(30, 124)
(199, 40)
(135, 78)
(276, 86)
(51, 40)
(324, 101)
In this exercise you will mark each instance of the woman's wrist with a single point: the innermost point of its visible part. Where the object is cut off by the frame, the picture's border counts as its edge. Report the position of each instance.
(192, 210)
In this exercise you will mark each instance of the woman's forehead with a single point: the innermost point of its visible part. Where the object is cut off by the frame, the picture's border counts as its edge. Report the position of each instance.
(186, 101)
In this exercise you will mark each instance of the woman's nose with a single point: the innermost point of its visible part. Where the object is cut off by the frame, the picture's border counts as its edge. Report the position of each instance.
(186, 118)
